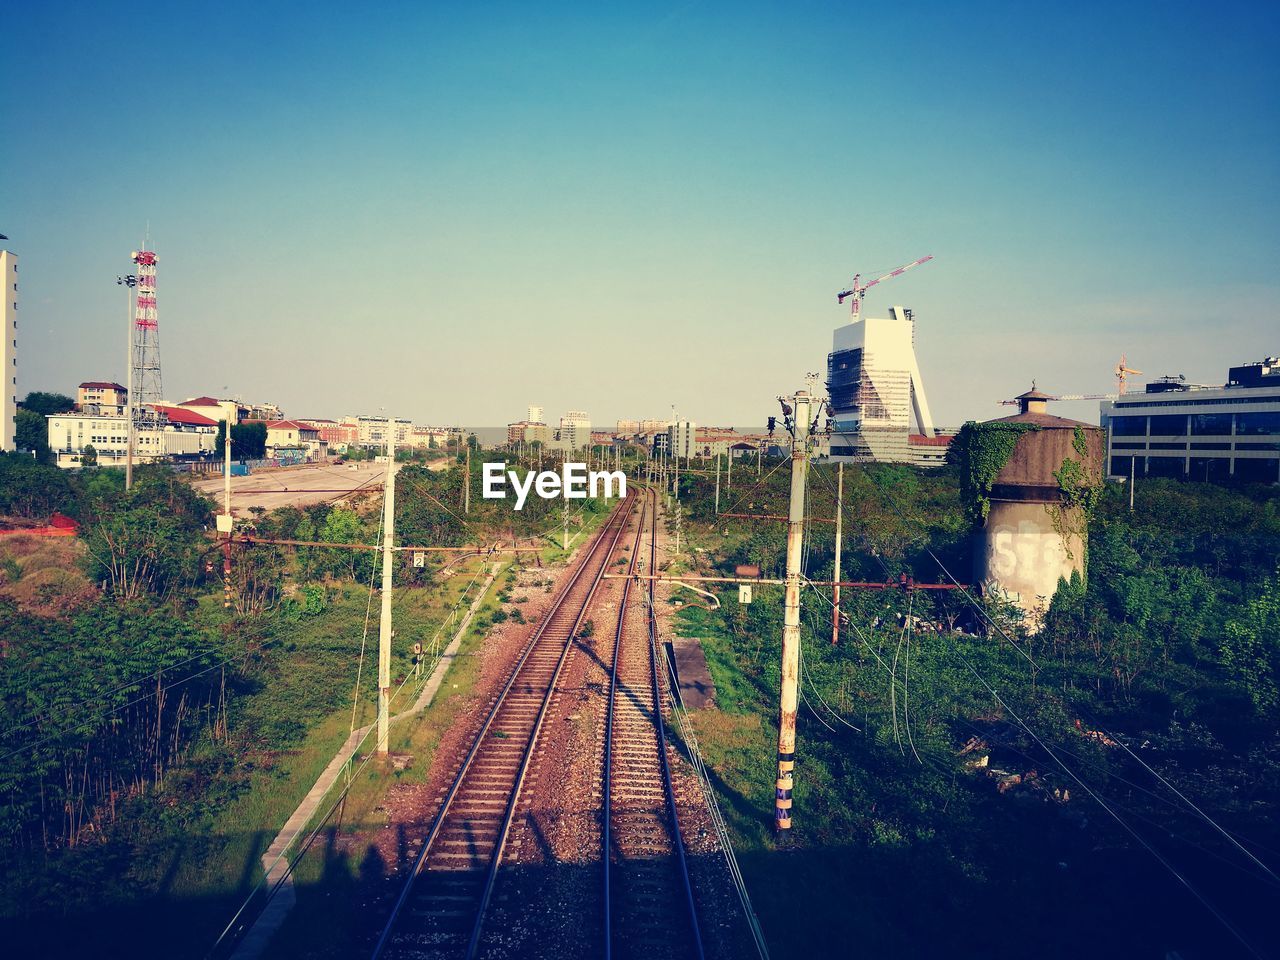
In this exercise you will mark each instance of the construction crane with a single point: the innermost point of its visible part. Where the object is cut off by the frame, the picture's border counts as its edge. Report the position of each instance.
(1122, 371)
(1068, 396)
(857, 288)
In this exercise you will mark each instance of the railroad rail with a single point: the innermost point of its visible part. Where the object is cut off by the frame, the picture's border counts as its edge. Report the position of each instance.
(441, 909)
(649, 908)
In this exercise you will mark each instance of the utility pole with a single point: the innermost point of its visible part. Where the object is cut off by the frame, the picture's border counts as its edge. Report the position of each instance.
(1133, 475)
(835, 588)
(384, 626)
(128, 283)
(466, 485)
(759, 457)
(729, 482)
(564, 513)
(799, 408)
(717, 484)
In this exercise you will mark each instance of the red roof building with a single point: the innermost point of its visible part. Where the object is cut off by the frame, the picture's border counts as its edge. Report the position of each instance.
(179, 414)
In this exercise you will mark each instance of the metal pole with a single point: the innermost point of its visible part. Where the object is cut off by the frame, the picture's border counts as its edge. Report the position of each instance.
(226, 509)
(789, 697)
(384, 626)
(835, 590)
(128, 463)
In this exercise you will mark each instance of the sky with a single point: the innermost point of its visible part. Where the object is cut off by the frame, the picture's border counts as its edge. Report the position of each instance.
(449, 211)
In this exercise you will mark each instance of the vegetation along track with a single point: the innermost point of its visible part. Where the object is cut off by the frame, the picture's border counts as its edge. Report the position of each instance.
(648, 898)
(441, 909)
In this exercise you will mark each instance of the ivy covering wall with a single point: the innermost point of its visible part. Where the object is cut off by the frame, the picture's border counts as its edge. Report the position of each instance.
(980, 451)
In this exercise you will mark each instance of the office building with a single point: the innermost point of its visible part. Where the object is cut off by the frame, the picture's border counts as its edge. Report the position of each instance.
(877, 393)
(1228, 433)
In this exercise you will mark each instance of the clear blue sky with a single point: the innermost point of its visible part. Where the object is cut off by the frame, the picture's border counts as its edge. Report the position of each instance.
(627, 208)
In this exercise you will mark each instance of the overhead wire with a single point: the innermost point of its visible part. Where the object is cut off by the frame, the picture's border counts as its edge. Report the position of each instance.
(1054, 756)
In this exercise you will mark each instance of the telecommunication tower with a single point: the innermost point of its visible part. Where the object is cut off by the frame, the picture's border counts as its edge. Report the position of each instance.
(146, 333)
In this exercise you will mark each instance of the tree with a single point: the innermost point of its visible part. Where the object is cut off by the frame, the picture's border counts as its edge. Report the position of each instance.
(89, 456)
(47, 404)
(34, 490)
(248, 440)
(146, 540)
(31, 432)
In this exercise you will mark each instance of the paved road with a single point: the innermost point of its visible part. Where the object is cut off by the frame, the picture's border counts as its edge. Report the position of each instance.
(294, 486)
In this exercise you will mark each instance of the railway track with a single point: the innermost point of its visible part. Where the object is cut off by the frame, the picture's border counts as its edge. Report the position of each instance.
(649, 908)
(441, 909)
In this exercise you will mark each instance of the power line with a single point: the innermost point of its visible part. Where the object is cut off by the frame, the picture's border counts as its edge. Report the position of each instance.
(1097, 798)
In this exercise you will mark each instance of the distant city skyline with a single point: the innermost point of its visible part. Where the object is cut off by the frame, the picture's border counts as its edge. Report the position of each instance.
(452, 214)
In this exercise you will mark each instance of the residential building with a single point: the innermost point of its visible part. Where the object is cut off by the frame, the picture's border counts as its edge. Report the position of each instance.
(430, 437)
(9, 328)
(334, 435)
(373, 430)
(219, 410)
(535, 415)
(527, 432)
(574, 432)
(164, 432)
(682, 438)
(292, 440)
(1196, 432)
(876, 391)
(259, 411)
(103, 397)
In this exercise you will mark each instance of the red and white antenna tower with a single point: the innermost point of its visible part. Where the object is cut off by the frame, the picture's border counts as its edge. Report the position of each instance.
(146, 333)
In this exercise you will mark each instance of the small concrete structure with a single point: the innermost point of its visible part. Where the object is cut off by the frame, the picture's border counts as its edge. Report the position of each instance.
(1033, 536)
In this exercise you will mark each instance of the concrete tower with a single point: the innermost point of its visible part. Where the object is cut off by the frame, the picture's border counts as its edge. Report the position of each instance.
(9, 328)
(876, 390)
(1036, 529)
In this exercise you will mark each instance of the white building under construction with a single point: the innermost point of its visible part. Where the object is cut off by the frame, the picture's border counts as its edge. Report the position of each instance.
(878, 402)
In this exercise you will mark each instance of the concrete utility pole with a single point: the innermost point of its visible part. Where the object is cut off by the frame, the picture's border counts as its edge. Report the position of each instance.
(729, 482)
(384, 627)
(564, 513)
(1133, 476)
(835, 589)
(466, 483)
(789, 698)
(717, 484)
(128, 284)
(226, 524)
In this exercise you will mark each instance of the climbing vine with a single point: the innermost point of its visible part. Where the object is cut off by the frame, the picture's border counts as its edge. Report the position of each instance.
(980, 451)
(1080, 492)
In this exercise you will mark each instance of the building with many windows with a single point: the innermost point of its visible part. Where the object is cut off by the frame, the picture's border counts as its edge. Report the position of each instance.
(574, 432)
(877, 395)
(164, 432)
(1229, 433)
(105, 397)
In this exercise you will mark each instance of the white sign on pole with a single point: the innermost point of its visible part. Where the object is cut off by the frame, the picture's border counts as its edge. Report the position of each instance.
(744, 593)
(419, 558)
